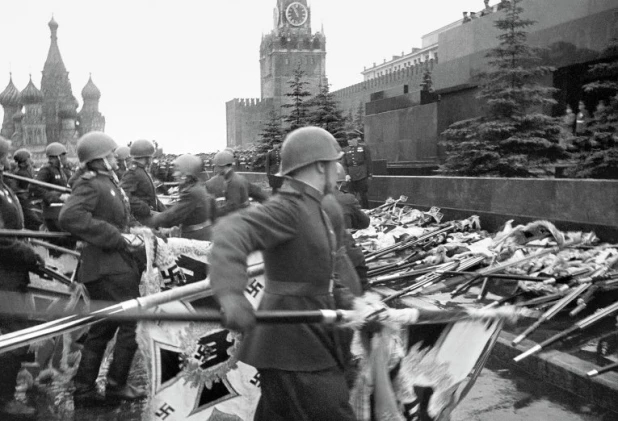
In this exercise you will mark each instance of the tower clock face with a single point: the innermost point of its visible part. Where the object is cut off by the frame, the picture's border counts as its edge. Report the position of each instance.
(296, 13)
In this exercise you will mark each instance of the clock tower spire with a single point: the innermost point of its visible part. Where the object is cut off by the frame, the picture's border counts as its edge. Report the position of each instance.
(289, 45)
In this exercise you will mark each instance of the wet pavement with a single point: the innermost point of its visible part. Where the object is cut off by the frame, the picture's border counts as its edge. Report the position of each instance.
(510, 395)
(499, 394)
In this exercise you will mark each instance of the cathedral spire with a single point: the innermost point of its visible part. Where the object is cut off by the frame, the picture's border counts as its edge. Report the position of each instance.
(54, 61)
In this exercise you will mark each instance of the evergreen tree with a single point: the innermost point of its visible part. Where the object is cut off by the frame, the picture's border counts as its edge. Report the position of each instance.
(272, 134)
(327, 114)
(513, 138)
(598, 157)
(299, 107)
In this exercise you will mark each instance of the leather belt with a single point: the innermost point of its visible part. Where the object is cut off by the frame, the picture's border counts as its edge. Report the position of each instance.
(196, 227)
(299, 289)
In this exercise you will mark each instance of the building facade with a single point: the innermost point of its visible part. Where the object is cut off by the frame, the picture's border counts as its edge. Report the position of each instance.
(49, 114)
(291, 45)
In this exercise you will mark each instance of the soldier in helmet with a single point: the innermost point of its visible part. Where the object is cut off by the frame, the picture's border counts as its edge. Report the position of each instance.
(195, 210)
(123, 155)
(57, 172)
(300, 365)
(359, 169)
(138, 183)
(98, 213)
(231, 190)
(17, 258)
(23, 159)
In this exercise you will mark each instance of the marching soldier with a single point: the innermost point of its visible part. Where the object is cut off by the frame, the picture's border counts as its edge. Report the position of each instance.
(123, 155)
(98, 213)
(354, 219)
(273, 161)
(195, 210)
(138, 183)
(231, 190)
(17, 258)
(300, 365)
(22, 157)
(55, 172)
(359, 169)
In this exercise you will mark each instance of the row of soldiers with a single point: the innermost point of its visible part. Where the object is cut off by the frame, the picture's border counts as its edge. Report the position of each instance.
(356, 162)
(301, 231)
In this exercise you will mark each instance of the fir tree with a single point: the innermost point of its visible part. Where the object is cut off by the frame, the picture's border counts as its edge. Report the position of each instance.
(598, 158)
(327, 114)
(272, 134)
(299, 107)
(513, 138)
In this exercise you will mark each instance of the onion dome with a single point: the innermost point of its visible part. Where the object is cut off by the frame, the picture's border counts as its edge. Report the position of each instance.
(31, 94)
(53, 25)
(68, 109)
(18, 115)
(10, 96)
(91, 91)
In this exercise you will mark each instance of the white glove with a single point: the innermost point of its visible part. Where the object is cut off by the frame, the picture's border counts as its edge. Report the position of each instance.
(348, 178)
(64, 197)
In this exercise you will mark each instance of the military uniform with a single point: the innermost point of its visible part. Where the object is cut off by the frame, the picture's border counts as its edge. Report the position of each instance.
(140, 189)
(232, 192)
(122, 168)
(51, 198)
(97, 212)
(32, 220)
(16, 259)
(273, 162)
(358, 165)
(354, 218)
(301, 365)
(194, 212)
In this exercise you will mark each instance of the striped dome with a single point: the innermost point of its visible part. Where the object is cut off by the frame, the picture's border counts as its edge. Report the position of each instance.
(10, 95)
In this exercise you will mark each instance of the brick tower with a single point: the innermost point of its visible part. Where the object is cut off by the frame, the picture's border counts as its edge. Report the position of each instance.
(290, 44)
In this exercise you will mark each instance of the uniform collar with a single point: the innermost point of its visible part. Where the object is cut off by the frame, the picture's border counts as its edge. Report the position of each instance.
(304, 188)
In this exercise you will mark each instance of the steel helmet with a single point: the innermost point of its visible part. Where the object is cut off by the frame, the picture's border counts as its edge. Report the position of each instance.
(4, 146)
(189, 165)
(142, 148)
(21, 155)
(123, 152)
(340, 173)
(94, 145)
(55, 149)
(223, 158)
(305, 146)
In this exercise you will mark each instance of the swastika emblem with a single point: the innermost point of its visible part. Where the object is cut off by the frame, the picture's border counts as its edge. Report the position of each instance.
(256, 380)
(164, 411)
(254, 288)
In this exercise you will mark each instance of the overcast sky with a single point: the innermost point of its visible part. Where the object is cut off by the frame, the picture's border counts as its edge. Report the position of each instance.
(166, 68)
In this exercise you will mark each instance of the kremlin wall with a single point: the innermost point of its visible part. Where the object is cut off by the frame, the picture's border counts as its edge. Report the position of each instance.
(401, 126)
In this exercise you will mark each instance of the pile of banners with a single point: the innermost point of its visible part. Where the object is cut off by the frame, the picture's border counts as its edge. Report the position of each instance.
(434, 285)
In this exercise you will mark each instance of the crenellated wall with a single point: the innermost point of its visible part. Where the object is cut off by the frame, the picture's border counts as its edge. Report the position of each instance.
(350, 97)
(245, 119)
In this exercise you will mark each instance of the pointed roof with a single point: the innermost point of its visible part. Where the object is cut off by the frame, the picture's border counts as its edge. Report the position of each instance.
(10, 96)
(31, 94)
(91, 91)
(54, 61)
